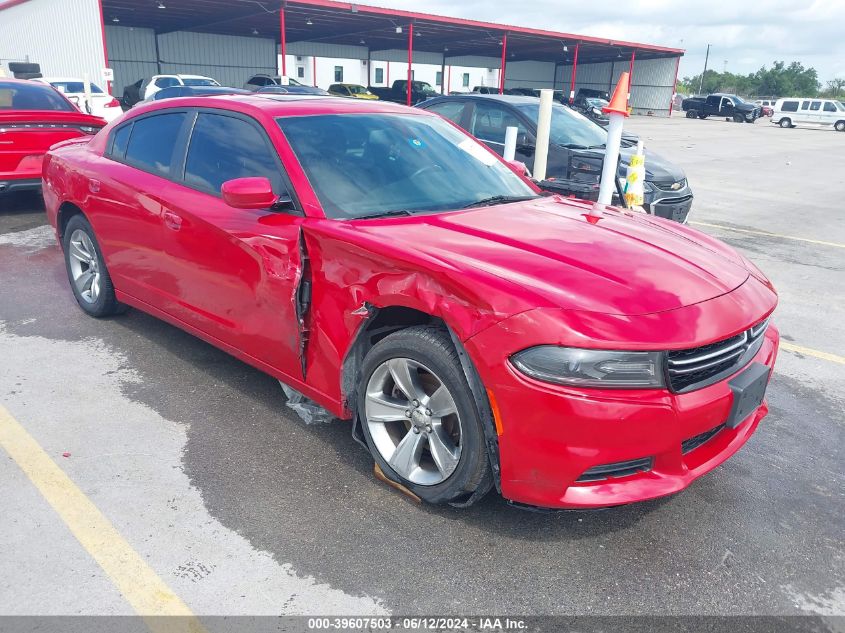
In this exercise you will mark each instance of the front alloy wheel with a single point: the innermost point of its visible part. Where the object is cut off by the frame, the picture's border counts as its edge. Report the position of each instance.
(413, 421)
(420, 419)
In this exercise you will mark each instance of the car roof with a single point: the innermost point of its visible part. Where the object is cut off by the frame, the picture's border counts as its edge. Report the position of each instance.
(512, 99)
(276, 105)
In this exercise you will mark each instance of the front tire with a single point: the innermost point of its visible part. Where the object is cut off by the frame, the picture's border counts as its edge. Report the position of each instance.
(738, 118)
(419, 416)
(785, 123)
(86, 270)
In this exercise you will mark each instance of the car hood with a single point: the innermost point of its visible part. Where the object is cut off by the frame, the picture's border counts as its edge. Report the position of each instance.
(554, 255)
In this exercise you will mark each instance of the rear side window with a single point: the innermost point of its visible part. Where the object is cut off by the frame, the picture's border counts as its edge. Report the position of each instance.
(119, 141)
(222, 148)
(828, 107)
(815, 105)
(152, 141)
(789, 106)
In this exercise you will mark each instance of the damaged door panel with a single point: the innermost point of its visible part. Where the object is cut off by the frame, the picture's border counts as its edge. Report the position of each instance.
(302, 303)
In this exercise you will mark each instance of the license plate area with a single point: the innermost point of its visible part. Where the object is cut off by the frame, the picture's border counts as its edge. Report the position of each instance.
(749, 389)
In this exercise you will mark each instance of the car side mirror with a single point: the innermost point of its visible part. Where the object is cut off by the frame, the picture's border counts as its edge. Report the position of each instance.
(519, 167)
(249, 193)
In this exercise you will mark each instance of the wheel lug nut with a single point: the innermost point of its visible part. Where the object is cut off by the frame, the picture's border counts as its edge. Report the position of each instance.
(416, 430)
(407, 413)
(416, 403)
(428, 429)
(428, 411)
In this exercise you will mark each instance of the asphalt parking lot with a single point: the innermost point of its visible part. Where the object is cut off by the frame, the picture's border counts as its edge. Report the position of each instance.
(241, 508)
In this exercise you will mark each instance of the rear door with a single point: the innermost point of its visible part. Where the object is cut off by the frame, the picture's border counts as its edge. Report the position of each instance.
(235, 271)
(126, 194)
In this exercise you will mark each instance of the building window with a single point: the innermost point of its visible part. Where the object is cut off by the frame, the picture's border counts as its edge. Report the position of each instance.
(338, 73)
(379, 75)
(300, 72)
(465, 80)
(438, 79)
(412, 75)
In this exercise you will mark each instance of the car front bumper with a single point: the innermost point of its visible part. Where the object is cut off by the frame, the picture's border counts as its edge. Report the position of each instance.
(551, 435)
(671, 205)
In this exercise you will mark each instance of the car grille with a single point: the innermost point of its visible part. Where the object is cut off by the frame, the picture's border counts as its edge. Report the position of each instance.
(695, 368)
(671, 186)
(616, 470)
(694, 442)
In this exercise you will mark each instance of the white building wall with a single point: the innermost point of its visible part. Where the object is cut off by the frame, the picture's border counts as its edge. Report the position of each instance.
(38, 31)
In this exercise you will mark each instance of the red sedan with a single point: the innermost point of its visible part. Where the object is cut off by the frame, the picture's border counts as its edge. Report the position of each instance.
(389, 267)
(32, 118)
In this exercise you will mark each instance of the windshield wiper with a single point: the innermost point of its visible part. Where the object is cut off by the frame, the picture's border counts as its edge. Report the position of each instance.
(383, 214)
(486, 202)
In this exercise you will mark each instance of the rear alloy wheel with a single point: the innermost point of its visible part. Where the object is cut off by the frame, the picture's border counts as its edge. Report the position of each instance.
(839, 126)
(691, 114)
(86, 270)
(419, 416)
(785, 123)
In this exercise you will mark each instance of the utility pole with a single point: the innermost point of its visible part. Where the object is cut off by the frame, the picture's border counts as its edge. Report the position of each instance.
(706, 58)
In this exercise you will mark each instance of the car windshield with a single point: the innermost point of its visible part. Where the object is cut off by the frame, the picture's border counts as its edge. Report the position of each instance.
(198, 81)
(74, 87)
(596, 102)
(358, 90)
(568, 128)
(839, 105)
(31, 96)
(380, 164)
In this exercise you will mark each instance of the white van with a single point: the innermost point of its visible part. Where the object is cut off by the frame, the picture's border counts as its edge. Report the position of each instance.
(794, 111)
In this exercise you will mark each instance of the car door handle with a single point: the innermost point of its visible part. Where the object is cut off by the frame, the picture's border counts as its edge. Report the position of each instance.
(172, 220)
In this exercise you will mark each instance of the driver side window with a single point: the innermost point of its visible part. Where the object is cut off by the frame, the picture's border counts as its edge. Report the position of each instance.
(223, 148)
(490, 121)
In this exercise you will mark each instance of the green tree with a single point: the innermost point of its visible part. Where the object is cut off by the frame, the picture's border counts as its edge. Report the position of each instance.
(779, 80)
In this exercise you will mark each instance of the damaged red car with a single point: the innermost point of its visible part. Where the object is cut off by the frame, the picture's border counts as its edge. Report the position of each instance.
(398, 273)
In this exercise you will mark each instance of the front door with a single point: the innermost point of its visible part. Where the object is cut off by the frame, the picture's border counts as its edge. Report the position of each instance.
(234, 271)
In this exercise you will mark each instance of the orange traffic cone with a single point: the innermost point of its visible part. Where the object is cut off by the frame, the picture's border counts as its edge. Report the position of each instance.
(619, 102)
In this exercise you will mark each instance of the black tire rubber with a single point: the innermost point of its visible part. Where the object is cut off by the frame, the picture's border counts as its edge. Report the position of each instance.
(107, 303)
(24, 68)
(691, 114)
(432, 346)
(839, 126)
(702, 116)
(738, 118)
(785, 123)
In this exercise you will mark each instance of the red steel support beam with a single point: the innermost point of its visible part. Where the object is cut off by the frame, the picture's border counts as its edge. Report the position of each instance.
(674, 86)
(631, 74)
(504, 62)
(105, 50)
(574, 72)
(410, 57)
(284, 47)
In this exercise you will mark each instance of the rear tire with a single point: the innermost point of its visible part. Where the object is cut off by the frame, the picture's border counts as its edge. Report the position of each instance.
(839, 126)
(701, 115)
(435, 447)
(691, 114)
(785, 123)
(86, 270)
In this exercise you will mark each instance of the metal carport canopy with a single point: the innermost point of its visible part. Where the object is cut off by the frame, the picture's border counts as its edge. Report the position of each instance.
(331, 22)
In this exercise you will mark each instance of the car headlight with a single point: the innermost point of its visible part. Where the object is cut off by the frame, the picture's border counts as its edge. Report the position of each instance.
(590, 367)
(596, 111)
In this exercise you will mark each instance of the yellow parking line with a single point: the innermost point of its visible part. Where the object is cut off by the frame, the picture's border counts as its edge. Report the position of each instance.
(149, 596)
(767, 234)
(806, 351)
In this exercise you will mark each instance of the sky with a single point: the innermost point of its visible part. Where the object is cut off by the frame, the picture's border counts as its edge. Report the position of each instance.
(747, 34)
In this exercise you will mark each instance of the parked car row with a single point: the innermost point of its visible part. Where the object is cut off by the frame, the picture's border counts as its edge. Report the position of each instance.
(384, 263)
